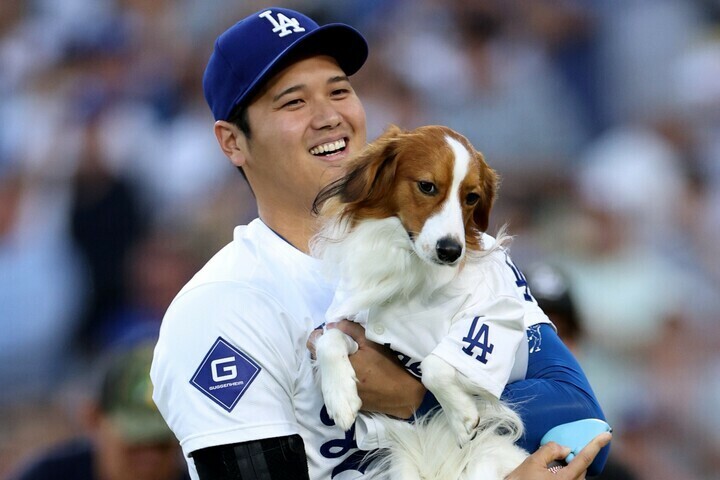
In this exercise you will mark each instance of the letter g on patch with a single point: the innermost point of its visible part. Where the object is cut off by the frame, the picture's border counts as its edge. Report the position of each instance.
(225, 374)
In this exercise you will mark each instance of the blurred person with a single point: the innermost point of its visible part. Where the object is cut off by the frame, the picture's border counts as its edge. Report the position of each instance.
(639, 42)
(567, 31)
(40, 286)
(551, 289)
(126, 438)
(697, 111)
(106, 222)
(623, 287)
(289, 117)
(507, 95)
(696, 116)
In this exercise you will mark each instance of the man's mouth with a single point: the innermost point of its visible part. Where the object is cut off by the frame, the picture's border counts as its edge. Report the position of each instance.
(329, 148)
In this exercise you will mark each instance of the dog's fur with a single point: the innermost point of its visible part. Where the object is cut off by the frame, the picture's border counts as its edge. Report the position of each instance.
(404, 222)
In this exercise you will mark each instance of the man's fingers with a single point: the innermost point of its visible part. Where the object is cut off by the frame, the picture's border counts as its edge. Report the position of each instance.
(312, 340)
(578, 465)
(549, 452)
(535, 466)
(353, 329)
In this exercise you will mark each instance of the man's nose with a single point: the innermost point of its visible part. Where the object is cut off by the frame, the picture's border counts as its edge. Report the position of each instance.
(326, 116)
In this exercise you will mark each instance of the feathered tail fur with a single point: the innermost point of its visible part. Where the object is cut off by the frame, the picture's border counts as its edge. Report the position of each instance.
(427, 449)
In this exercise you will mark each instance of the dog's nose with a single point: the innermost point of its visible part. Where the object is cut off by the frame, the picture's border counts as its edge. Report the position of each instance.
(448, 250)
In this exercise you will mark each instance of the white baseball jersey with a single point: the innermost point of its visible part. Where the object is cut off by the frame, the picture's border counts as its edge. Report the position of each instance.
(479, 327)
(231, 363)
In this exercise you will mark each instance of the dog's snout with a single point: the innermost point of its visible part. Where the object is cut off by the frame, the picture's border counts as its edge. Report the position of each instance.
(448, 250)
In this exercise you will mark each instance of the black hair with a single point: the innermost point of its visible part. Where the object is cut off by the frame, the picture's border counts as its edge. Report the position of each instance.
(239, 117)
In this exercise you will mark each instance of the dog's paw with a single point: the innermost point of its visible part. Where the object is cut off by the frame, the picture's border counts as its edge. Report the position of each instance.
(464, 427)
(337, 377)
(342, 401)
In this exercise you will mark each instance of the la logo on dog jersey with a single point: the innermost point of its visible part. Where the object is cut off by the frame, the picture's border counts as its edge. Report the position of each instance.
(225, 374)
(282, 24)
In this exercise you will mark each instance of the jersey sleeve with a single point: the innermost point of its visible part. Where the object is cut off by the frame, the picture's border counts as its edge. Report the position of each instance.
(225, 367)
(487, 341)
(483, 342)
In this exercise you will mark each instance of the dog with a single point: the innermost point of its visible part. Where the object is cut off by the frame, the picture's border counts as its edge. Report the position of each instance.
(404, 232)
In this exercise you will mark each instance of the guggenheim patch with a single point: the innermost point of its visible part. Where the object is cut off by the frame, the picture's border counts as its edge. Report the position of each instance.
(225, 374)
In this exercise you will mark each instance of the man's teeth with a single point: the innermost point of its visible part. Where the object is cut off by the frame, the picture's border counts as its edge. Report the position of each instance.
(328, 147)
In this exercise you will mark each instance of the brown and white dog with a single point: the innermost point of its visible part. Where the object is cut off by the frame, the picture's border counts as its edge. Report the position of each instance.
(407, 222)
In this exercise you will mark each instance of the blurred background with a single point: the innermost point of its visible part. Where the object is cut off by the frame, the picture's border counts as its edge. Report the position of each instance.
(602, 117)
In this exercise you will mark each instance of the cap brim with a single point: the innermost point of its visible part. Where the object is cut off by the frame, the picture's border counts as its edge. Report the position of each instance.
(141, 427)
(342, 42)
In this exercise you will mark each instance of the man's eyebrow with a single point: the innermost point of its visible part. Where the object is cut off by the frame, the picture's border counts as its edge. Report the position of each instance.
(339, 78)
(287, 91)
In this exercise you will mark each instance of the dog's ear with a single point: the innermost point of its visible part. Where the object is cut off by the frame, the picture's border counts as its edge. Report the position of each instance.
(370, 174)
(489, 181)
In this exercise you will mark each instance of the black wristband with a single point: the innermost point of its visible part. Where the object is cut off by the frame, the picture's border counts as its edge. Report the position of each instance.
(279, 458)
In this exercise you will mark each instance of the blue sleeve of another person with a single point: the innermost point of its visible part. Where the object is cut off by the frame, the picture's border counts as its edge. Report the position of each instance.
(555, 391)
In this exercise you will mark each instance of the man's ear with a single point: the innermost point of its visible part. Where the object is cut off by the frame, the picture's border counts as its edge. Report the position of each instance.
(232, 142)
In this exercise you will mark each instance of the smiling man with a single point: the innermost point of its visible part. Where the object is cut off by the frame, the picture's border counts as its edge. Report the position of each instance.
(305, 122)
(232, 375)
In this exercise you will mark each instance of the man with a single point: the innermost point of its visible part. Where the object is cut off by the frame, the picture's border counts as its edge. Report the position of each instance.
(127, 437)
(232, 376)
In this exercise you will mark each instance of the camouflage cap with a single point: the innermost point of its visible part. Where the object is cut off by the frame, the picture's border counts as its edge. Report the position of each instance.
(126, 398)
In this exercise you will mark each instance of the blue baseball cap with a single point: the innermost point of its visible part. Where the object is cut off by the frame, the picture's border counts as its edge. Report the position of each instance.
(254, 49)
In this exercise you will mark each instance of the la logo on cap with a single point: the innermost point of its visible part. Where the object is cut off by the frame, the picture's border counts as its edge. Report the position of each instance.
(282, 24)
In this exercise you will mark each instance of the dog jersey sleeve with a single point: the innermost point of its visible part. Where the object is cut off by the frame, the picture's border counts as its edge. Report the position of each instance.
(487, 337)
(483, 342)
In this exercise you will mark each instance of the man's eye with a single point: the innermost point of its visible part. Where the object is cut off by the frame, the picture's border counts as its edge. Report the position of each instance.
(428, 188)
(292, 103)
(472, 198)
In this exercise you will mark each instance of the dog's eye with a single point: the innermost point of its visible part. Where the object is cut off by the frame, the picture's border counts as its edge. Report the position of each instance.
(428, 188)
(472, 198)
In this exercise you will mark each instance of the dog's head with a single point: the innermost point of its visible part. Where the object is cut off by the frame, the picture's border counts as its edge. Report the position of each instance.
(431, 178)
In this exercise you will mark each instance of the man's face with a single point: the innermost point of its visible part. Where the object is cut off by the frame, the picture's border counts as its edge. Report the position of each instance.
(305, 125)
(118, 460)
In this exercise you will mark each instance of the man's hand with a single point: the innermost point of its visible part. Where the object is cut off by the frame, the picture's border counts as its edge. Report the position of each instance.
(383, 383)
(535, 467)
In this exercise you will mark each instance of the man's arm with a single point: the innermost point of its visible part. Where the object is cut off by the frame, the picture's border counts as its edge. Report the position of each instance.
(383, 383)
(554, 392)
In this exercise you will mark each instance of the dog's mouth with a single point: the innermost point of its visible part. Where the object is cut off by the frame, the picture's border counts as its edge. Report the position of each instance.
(442, 263)
(448, 264)
(329, 148)
(433, 260)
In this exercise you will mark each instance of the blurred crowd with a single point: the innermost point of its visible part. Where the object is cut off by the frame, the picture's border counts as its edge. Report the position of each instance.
(602, 117)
